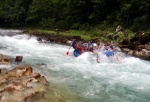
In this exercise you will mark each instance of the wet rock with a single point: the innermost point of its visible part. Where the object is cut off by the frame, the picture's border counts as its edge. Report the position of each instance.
(3, 80)
(30, 79)
(1, 97)
(18, 59)
(145, 52)
(141, 37)
(42, 80)
(130, 52)
(5, 60)
(20, 70)
(33, 96)
(35, 75)
(28, 71)
(22, 84)
(139, 45)
(125, 50)
(13, 86)
(147, 46)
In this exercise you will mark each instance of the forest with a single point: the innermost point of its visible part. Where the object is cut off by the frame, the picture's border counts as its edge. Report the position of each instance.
(75, 14)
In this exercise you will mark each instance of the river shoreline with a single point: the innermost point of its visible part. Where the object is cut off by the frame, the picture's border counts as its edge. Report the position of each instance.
(128, 48)
(20, 82)
(99, 78)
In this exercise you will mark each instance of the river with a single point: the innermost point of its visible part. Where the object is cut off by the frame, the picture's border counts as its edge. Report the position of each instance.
(79, 79)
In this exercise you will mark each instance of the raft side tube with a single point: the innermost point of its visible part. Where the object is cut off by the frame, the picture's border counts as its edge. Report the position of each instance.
(76, 53)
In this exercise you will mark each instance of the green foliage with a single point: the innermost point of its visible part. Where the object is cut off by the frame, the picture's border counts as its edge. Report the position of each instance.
(13, 12)
(76, 14)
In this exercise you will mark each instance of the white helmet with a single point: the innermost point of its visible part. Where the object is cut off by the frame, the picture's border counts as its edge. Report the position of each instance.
(94, 44)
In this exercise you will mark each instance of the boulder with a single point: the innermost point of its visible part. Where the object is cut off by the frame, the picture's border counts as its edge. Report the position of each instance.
(33, 96)
(21, 85)
(20, 70)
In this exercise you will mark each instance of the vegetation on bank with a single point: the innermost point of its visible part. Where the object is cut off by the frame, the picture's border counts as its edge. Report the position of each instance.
(94, 34)
(90, 19)
(76, 14)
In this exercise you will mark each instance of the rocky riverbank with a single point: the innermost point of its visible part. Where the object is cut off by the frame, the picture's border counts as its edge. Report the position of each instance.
(138, 46)
(20, 84)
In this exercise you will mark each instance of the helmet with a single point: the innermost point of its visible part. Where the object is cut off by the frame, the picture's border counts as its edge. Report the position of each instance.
(94, 44)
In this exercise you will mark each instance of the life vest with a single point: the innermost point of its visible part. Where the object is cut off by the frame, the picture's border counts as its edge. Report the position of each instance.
(109, 53)
(82, 49)
(75, 46)
(90, 46)
(74, 42)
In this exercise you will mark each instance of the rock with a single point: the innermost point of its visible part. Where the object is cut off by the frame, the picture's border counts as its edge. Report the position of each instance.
(28, 71)
(5, 61)
(3, 80)
(125, 50)
(33, 96)
(138, 53)
(141, 47)
(130, 52)
(1, 97)
(18, 59)
(146, 52)
(147, 46)
(22, 85)
(42, 80)
(30, 80)
(141, 37)
(20, 70)
(35, 75)
(69, 42)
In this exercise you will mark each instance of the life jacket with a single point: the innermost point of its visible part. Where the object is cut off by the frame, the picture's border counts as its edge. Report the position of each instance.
(93, 47)
(90, 46)
(109, 53)
(75, 46)
(85, 48)
(74, 42)
(84, 45)
(90, 49)
(82, 49)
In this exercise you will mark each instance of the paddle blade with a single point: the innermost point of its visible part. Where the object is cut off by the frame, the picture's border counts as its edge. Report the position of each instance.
(67, 53)
(97, 60)
(117, 58)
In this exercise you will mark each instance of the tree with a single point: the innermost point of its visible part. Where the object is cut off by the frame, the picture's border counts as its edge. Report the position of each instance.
(12, 12)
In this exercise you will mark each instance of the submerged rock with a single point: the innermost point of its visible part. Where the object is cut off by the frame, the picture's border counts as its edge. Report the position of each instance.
(5, 60)
(20, 71)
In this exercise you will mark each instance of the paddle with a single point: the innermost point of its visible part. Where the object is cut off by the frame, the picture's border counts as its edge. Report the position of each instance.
(97, 59)
(67, 53)
(117, 59)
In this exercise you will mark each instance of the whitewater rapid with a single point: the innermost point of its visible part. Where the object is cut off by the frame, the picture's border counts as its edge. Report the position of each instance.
(80, 79)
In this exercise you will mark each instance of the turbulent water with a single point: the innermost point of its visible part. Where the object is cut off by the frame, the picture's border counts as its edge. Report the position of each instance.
(80, 79)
